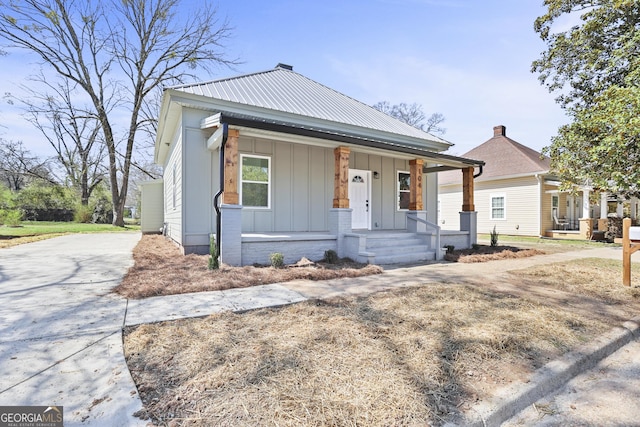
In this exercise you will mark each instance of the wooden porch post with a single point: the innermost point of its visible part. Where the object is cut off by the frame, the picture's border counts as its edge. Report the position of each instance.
(628, 247)
(467, 190)
(415, 188)
(230, 195)
(341, 177)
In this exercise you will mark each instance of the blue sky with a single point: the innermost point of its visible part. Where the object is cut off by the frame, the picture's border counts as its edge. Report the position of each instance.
(467, 59)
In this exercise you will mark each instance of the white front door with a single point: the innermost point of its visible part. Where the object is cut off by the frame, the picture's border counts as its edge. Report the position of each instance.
(359, 193)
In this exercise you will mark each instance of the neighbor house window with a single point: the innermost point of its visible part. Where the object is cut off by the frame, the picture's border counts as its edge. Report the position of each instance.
(255, 181)
(404, 182)
(498, 206)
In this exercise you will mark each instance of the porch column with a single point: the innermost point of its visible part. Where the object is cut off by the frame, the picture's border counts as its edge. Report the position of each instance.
(633, 208)
(603, 222)
(586, 205)
(231, 211)
(586, 224)
(604, 206)
(341, 178)
(415, 187)
(467, 190)
(620, 210)
(468, 216)
(230, 195)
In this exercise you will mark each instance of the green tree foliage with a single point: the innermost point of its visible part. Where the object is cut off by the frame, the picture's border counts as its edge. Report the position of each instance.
(40, 195)
(594, 67)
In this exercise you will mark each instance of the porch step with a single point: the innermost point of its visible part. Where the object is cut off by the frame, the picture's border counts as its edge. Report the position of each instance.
(397, 248)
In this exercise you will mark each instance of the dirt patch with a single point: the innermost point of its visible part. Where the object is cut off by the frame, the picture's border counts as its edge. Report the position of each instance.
(484, 253)
(161, 269)
(404, 357)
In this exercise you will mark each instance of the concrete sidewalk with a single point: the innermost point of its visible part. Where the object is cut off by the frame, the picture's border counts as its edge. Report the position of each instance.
(61, 326)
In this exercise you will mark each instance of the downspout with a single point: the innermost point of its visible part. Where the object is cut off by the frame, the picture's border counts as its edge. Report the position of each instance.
(216, 198)
(479, 172)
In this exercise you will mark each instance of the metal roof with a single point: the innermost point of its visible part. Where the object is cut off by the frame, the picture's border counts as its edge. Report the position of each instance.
(283, 90)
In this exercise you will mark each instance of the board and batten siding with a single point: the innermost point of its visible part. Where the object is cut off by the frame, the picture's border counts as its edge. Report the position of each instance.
(302, 187)
(384, 195)
(172, 178)
(198, 189)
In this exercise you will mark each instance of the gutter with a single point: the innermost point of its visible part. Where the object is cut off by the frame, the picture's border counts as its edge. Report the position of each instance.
(216, 198)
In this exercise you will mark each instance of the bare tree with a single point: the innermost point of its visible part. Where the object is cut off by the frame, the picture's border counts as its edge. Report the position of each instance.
(413, 115)
(118, 53)
(72, 132)
(18, 167)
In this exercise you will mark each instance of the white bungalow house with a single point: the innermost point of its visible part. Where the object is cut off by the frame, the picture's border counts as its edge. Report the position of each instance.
(276, 162)
(518, 195)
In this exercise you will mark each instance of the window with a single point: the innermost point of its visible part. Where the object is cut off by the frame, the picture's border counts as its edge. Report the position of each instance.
(255, 181)
(555, 205)
(498, 206)
(404, 183)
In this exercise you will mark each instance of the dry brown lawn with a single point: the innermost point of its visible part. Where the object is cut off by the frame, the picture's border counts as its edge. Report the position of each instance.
(413, 356)
(490, 253)
(160, 269)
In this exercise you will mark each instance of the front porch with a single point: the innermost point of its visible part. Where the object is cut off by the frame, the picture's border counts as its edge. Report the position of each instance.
(576, 217)
(381, 247)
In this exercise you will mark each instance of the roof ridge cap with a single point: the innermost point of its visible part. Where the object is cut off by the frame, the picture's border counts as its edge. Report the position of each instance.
(224, 79)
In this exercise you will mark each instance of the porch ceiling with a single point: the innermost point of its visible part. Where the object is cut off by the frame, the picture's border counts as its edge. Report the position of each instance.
(444, 161)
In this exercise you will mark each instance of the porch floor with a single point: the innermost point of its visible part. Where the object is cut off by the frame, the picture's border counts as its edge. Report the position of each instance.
(563, 234)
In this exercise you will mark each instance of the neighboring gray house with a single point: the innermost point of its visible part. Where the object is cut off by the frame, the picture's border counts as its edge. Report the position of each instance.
(276, 162)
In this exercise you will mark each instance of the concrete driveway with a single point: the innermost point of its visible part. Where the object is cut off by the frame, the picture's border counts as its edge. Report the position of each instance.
(60, 328)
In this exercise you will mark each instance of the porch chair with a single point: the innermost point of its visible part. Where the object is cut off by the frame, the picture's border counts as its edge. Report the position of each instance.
(560, 223)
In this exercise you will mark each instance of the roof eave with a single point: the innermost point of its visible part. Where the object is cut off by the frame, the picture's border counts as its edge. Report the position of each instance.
(353, 139)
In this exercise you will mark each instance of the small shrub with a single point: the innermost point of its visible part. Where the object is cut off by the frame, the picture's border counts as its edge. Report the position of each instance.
(494, 237)
(330, 256)
(450, 248)
(83, 214)
(12, 218)
(277, 260)
(214, 263)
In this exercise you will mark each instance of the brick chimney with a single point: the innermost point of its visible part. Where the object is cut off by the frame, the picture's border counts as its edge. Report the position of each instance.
(500, 130)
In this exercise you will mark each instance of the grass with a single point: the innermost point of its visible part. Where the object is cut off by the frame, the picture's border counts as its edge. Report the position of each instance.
(414, 356)
(32, 231)
(546, 244)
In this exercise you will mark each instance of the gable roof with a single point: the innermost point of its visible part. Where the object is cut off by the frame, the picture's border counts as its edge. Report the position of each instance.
(283, 90)
(503, 157)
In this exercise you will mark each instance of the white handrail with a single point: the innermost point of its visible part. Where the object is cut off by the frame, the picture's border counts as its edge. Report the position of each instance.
(429, 225)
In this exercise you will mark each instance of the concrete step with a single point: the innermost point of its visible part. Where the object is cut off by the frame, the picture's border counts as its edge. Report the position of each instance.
(405, 258)
(373, 244)
(397, 248)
